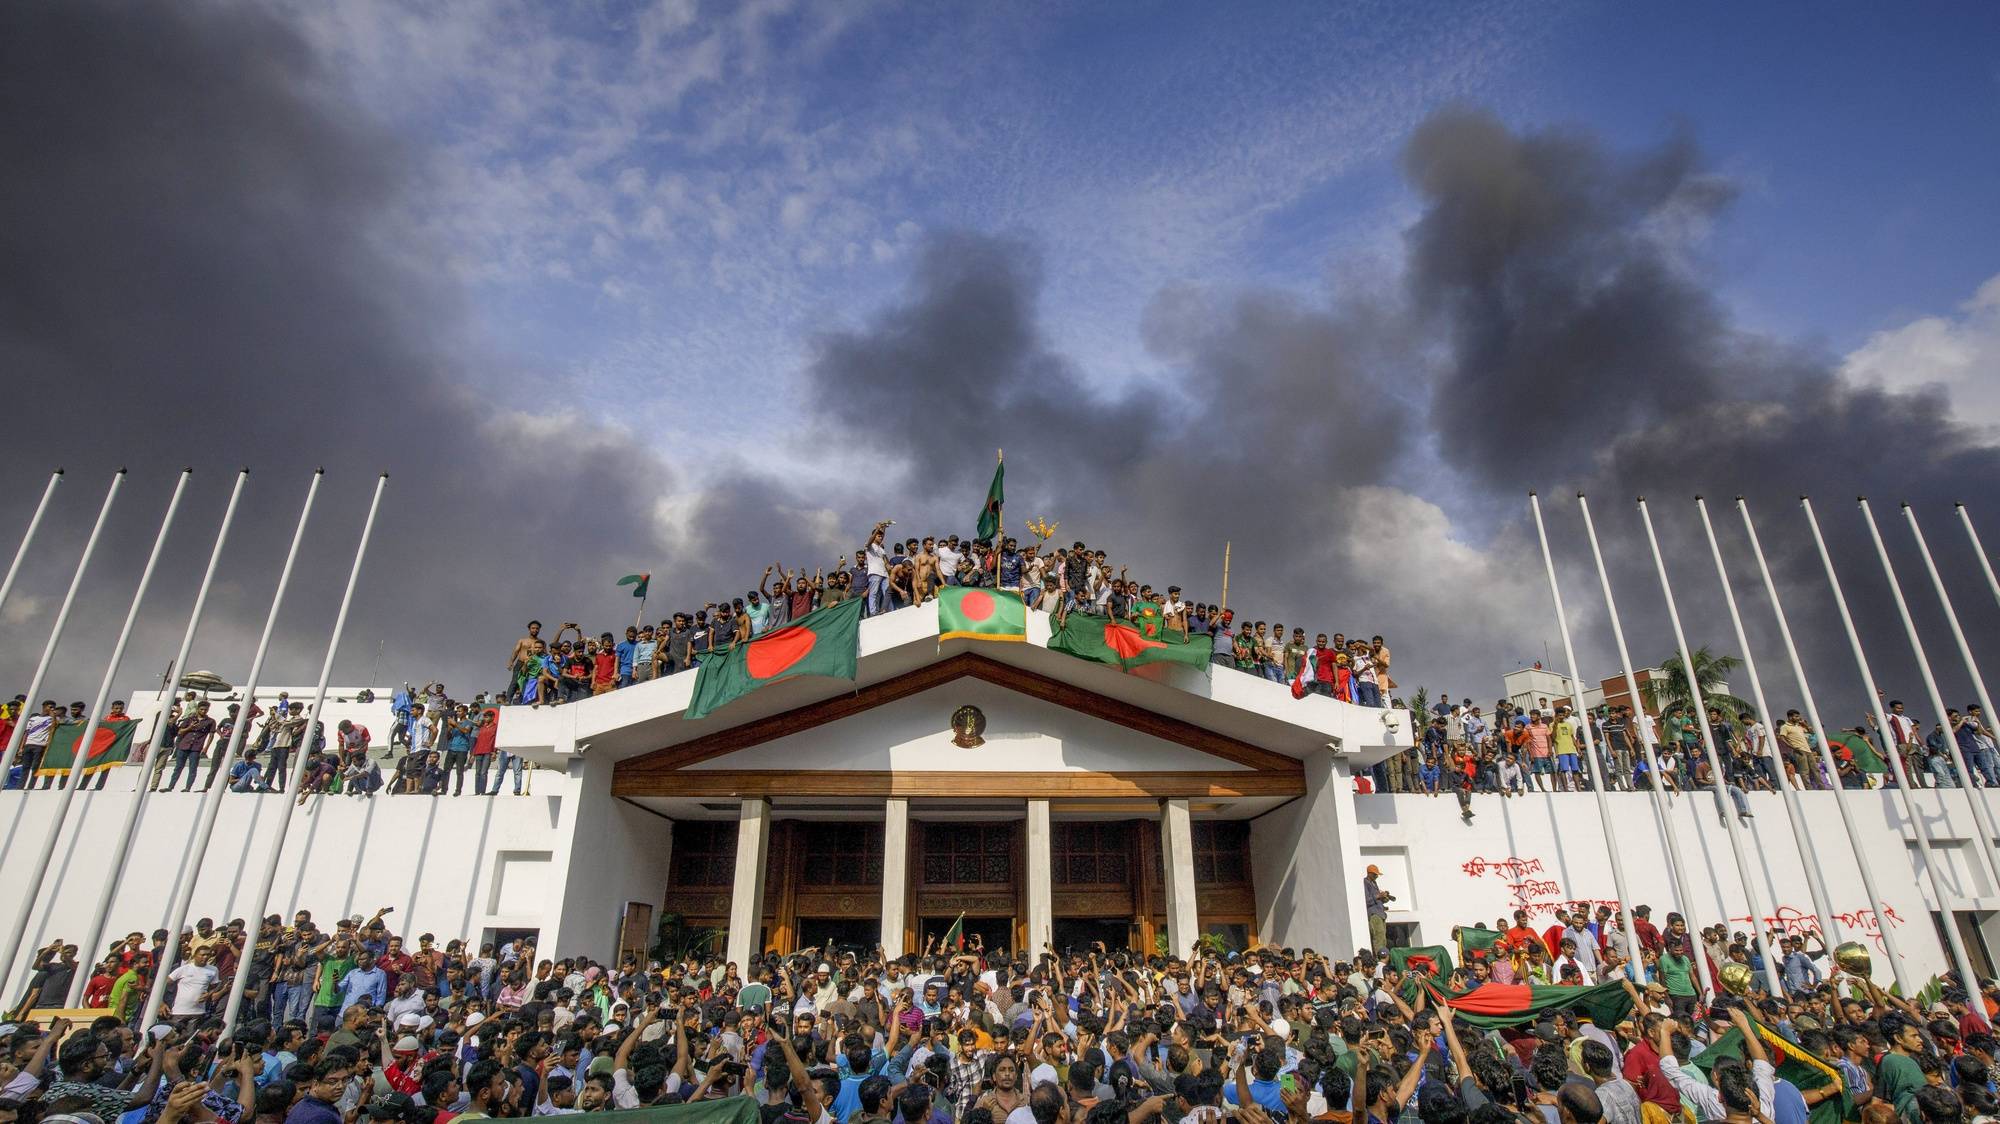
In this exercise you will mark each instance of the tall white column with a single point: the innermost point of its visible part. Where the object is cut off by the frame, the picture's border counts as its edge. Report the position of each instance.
(1722, 802)
(1177, 864)
(30, 705)
(28, 537)
(100, 915)
(301, 749)
(1041, 892)
(895, 874)
(1981, 814)
(1941, 897)
(1795, 816)
(1842, 798)
(38, 868)
(746, 896)
(1582, 714)
(1642, 732)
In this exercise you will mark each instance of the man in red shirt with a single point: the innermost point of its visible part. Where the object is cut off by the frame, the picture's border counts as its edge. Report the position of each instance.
(1520, 935)
(1649, 934)
(604, 666)
(1642, 1063)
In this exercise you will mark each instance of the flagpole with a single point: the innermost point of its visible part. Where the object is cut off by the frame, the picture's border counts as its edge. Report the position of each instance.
(1632, 950)
(34, 524)
(1951, 615)
(1842, 800)
(999, 516)
(1794, 815)
(93, 718)
(1758, 918)
(1225, 574)
(116, 867)
(1943, 899)
(255, 922)
(1981, 814)
(1677, 868)
(20, 733)
(1978, 550)
(211, 797)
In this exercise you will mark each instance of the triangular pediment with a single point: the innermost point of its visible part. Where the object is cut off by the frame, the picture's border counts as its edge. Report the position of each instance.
(898, 735)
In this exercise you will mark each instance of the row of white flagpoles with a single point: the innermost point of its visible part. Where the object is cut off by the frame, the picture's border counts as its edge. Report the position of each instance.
(197, 847)
(1828, 920)
(197, 844)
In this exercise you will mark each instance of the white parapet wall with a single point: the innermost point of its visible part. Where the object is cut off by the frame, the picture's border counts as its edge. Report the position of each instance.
(453, 866)
(1540, 851)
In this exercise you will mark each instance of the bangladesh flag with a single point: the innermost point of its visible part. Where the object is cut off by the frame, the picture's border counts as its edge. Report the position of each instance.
(1478, 943)
(1865, 757)
(108, 750)
(1123, 646)
(1792, 1062)
(638, 583)
(1430, 960)
(1493, 1006)
(823, 642)
(955, 936)
(981, 614)
(1150, 618)
(989, 516)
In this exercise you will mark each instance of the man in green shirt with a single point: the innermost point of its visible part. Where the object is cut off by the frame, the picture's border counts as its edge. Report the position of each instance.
(326, 995)
(1677, 973)
(1897, 1075)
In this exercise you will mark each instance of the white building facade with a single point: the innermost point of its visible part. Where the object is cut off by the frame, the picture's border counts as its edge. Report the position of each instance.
(1139, 808)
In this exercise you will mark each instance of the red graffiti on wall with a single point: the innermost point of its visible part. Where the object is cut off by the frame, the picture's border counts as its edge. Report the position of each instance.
(1509, 867)
(1793, 921)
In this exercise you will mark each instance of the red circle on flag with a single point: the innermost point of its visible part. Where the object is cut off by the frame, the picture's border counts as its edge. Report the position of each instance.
(977, 605)
(774, 653)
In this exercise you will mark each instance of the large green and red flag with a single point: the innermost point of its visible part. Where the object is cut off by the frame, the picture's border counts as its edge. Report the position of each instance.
(1865, 757)
(955, 936)
(108, 750)
(981, 614)
(989, 516)
(1494, 1005)
(1478, 943)
(1792, 1062)
(638, 582)
(1430, 960)
(823, 642)
(1121, 645)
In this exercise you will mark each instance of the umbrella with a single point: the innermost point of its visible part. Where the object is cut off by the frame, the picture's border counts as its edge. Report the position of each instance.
(204, 681)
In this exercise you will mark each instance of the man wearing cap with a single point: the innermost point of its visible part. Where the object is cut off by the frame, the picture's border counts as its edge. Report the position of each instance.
(1377, 900)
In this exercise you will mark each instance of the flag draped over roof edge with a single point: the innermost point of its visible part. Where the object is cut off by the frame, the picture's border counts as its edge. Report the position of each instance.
(981, 614)
(823, 642)
(1123, 646)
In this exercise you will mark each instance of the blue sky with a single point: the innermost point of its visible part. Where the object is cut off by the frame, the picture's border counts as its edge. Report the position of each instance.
(673, 199)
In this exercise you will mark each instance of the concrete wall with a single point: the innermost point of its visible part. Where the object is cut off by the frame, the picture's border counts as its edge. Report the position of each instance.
(1446, 872)
(452, 866)
(609, 852)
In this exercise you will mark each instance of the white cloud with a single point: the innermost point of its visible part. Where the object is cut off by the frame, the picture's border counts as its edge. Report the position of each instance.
(1959, 353)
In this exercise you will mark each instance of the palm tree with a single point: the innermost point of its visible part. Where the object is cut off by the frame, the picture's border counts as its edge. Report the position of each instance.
(1670, 688)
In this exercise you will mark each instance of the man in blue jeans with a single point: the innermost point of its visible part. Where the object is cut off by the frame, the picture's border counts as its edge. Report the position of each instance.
(876, 558)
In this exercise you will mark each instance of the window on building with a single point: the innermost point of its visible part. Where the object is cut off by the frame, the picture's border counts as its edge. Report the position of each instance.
(704, 853)
(1083, 854)
(843, 854)
(968, 854)
(1221, 851)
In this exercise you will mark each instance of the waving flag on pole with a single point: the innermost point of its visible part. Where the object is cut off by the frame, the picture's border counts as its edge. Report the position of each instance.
(996, 496)
(638, 583)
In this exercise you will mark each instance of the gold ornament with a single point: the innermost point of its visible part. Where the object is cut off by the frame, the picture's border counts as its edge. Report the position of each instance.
(1853, 959)
(1041, 528)
(1736, 978)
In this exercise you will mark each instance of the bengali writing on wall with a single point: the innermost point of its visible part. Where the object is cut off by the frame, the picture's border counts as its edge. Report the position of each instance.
(1529, 888)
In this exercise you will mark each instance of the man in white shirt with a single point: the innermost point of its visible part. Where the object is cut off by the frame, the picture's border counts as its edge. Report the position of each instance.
(192, 981)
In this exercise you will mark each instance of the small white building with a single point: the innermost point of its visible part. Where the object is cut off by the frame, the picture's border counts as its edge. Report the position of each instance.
(1528, 687)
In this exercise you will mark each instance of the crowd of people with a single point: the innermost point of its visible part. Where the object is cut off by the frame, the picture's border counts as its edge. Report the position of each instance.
(1517, 749)
(360, 1019)
(892, 575)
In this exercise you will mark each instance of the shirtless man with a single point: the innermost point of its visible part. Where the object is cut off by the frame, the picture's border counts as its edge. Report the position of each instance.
(523, 648)
(926, 578)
